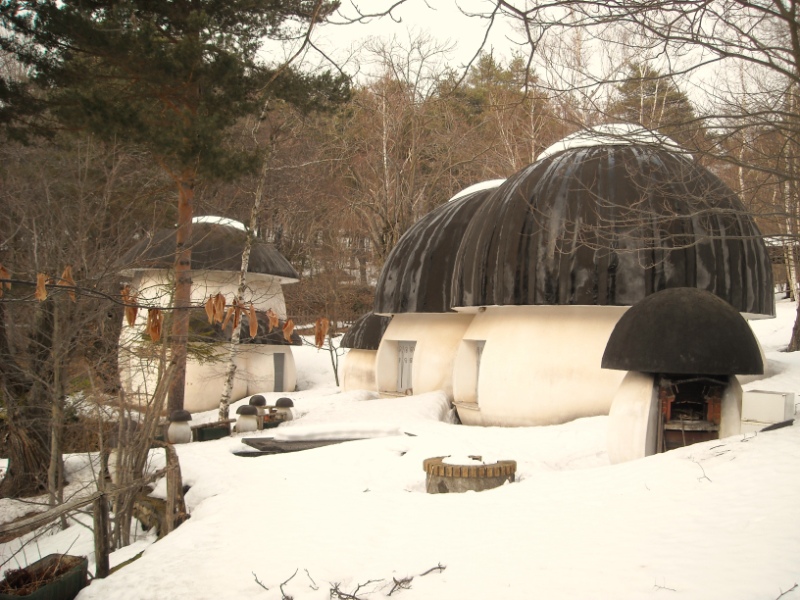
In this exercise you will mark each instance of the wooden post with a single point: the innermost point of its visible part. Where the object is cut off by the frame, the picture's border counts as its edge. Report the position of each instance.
(101, 537)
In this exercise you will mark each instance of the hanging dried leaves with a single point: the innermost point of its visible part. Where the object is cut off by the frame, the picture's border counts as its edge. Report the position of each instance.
(228, 316)
(253, 321)
(219, 307)
(210, 305)
(321, 327)
(273, 319)
(4, 274)
(155, 323)
(130, 299)
(66, 277)
(215, 308)
(41, 289)
(288, 328)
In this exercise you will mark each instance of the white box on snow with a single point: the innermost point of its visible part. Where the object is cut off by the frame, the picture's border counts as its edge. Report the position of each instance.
(767, 407)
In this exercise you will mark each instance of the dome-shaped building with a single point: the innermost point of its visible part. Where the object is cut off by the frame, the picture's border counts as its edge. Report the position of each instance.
(542, 267)
(417, 349)
(264, 362)
(553, 259)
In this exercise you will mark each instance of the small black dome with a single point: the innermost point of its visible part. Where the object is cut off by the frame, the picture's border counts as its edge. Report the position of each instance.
(215, 247)
(284, 403)
(610, 225)
(247, 410)
(417, 275)
(366, 332)
(683, 331)
(179, 416)
(258, 400)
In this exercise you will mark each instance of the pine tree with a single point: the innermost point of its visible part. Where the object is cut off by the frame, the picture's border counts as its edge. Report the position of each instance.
(173, 77)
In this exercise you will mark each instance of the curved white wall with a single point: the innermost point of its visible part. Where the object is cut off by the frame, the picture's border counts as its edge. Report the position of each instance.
(255, 370)
(264, 291)
(633, 419)
(358, 370)
(205, 379)
(540, 365)
(437, 337)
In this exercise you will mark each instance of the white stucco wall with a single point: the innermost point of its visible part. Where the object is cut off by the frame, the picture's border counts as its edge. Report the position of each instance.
(437, 338)
(540, 365)
(358, 370)
(204, 379)
(264, 291)
(633, 419)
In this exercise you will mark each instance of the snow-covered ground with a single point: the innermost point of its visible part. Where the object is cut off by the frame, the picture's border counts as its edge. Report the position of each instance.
(714, 520)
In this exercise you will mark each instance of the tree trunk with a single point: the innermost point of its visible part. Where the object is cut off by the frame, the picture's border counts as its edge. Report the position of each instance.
(27, 398)
(179, 334)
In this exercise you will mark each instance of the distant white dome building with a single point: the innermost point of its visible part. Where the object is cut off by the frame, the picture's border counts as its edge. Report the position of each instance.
(264, 363)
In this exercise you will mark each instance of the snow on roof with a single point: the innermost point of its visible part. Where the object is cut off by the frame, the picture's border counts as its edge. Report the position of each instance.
(612, 134)
(214, 220)
(477, 187)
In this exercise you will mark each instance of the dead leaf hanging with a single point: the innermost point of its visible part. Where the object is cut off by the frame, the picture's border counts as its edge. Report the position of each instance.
(253, 321)
(273, 319)
(66, 277)
(4, 274)
(219, 307)
(41, 289)
(210, 309)
(320, 331)
(155, 321)
(288, 328)
(129, 298)
(228, 316)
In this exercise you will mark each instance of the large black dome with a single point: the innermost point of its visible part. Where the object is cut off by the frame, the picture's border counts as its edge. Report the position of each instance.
(610, 225)
(417, 275)
(215, 247)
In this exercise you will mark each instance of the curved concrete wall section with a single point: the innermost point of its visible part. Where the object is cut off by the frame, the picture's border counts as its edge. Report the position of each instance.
(155, 286)
(539, 365)
(358, 370)
(435, 339)
(258, 369)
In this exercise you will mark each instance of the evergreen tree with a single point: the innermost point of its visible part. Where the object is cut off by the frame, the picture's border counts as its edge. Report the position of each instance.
(172, 76)
(648, 98)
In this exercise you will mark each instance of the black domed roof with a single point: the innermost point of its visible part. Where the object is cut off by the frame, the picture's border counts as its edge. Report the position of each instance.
(215, 247)
(417, 275)
(366, 332)
(610, 225)
(683, 331)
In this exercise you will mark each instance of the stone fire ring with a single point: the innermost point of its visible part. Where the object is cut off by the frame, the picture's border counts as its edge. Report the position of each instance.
(442, 478)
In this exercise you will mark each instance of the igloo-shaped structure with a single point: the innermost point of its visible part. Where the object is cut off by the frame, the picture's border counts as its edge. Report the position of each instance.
(417, 350)
(264, 362)
(542, 267)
